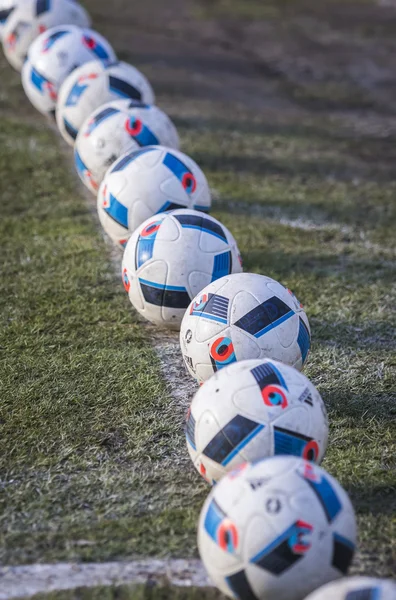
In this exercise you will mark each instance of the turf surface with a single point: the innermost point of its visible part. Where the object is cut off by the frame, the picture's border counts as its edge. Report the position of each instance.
(92, 455)
(131, 593)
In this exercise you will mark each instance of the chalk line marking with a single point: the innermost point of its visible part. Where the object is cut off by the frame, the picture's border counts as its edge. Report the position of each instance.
(16, 582)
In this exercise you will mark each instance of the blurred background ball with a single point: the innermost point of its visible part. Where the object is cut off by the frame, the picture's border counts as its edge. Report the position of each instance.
(53, 55)
(356, 588)
(252, 410)
(33, 17)
(144, 183)
(241, 317)
(92, 85)
(277, 529)
(170, 257)
(6, 8)
(115, 128)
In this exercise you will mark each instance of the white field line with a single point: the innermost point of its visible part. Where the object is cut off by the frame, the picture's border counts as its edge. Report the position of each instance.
(278, 216)
(17, 582)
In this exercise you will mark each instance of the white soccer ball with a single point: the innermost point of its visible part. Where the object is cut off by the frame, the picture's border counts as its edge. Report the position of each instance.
(356, 588)
(144, 183)
(172, 256)
(53, 55)
(92, 85)
(33, 17)
(279, 528)
(241, 317)
(252, 410)
(115, 128)
(6, 8)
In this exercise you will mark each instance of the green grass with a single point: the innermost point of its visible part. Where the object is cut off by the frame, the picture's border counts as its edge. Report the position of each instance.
(131, 593)
(328, 55)
(92, 455)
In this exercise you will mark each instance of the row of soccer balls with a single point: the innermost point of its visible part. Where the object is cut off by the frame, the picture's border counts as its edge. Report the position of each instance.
(263, 407)
(280, 529)
(171, 258)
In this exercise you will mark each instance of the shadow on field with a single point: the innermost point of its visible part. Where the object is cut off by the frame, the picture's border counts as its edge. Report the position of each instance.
(342, 267)
(287, 167)
(253, 127)
(352, 158)
(366, 405)
(380, 498)
(370, 335)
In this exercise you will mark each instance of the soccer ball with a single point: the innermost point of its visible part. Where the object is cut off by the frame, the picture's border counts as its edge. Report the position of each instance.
(92, 85)
(252, 410)
(53, 55)
(6, 8)
(241, 317)
(115, 128)
(144, 183)
(33, 17)
(170, 258)
(356, 588)
(279, 528)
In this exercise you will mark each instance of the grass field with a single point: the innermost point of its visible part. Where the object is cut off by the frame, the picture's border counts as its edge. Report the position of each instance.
(131, 593)
(300, 151)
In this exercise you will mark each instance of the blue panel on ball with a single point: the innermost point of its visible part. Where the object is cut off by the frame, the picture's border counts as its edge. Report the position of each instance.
(203, 224)
(75, 93)
(96, 48)
(80, 165)
(326, 496)
(213, 307)
(177, 167)
(343, 551)
(4, 14)
(168, 206)
(240, 586)
(267, 374)
(266, 316)
(289, 442)
(37, 79)
(52, 38)
(222, 265)
(72, 131)
(117, 211)
(285, 550)
(169, 296)
(190, 431)
(126, 160)
(234, 436)
(144, 137)
(42, 6)
(144, 251)
(213, 518)
(304, 340)
(364, 593)
(123, 88)
(95, 121)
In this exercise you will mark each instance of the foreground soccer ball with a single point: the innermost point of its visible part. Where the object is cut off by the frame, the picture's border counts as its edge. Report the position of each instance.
(53, 55)
(33, 17)
(92, 85)
(277, 529)
(142, 184)
(356, 588)
(6, 8)
(242, 317)
(252, 410)
(115, 128)
(170, 257)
